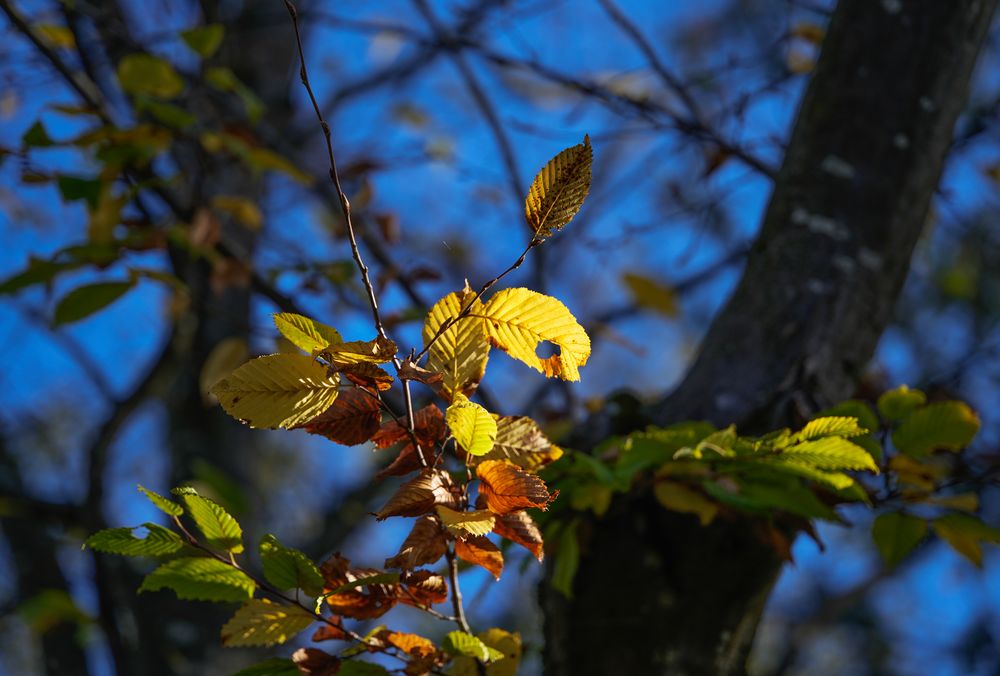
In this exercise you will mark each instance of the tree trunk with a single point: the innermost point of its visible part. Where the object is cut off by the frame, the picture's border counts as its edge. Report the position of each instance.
(656, 593)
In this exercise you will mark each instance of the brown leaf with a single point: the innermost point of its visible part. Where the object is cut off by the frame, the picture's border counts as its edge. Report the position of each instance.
(422, 587)
(411, 644)
(410, 371)
(428, 426)
(508, 488)
(361, 603)
(480, 551)
(419, 495)
(315, 662)
(424, 545)
(407, 462)
(352, 419)
(519, 527)
(328, 632)
(368, 376)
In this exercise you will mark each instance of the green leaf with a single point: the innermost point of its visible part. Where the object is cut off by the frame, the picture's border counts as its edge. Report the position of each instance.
(37, 136)
(165, 505)
(275, 666)
(39, 271)
(559, 190)
(831, 426)
(764, 493)
(84, 301)
(965, 533)
(219, 527)
(79, 188)
(654, 447)
(204, 40)
(474, 429)
(149, 75)
(305, 333)
(288, 568)
(948, 425)
(159, 541)
(897, 404)
(460, 644)
(260, 622)
(200, 579)
(836, 480)
(896, 534)
(567, 561)
(831, 453)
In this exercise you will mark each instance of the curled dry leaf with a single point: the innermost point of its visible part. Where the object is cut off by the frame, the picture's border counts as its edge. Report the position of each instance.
(519, 527)
(464, 524)
(352, 419)
(361, 603)
(411, 644)
(367, 375)
(480, 551)
(425, 544)
(376, 351)
(315, 662)
(410, 371)
(507, 488)
(333, 631)
(421, 494)
(422, 587)
(428, 427)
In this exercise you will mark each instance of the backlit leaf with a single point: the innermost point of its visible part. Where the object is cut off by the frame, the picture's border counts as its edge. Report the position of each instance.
(159, 541)
(458, 643)
(352, 419)
(831, 426)
(200, 579)
(559, 190)
(288, 568)
(305, 333)
(948, 425)
(505, 642)
(165, 505)
(517, 320)
(420, 495)
(424, 588)
(219, 527)
(84, 301)
(520, 441)
(519, 527)
(463, 524)
(263, 623)
(473, 427)
(149, 75)
(460, 353)
(376, 351)
(508, 488)
(357, 592)
(278, 390)
(424, 545)
(896, 534)
(478, 550)
(372, 378)
(831, 453)
(897, 404)
(679, 498)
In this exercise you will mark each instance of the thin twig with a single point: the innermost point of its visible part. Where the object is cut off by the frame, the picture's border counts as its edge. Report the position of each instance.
(456, 591)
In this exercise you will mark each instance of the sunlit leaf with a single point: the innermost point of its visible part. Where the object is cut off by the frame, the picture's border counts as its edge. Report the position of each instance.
(831, 426)
(159, 541)
(508, 644)
(165, 505)
(218, 526)
(200, 579)
(424, 545)
(420, 495)
(559, 190)
(278, 390)
(947, 425)
(305, 333)
(288, 568)
(463, 524)
(831, 453)
(519, 527)
(473, 427)
(517, 320)
(263, 623)
(508, 488)
(459, 643)
(360, 593)
(461, 352)
(520, 441)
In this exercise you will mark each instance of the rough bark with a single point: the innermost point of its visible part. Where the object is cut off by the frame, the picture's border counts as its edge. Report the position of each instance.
(655, 593)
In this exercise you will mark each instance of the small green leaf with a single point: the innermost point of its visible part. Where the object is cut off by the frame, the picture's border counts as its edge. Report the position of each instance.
(896, 404)
(79, 188)
(680, 498)
(165, 505)
(896, 534)
(159, 541)
(204, 40)
(219, 527)
(37, 136)
(831, 426)
(200, 579)
(288, 568)
(150, 75)
(948, 425)
(84, 301)
(460, 644)
(305, 333)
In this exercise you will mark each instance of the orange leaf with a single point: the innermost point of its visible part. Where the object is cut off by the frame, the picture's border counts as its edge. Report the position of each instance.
(352, 419)
(422, 587)
(362, 603)
(519, 527)
(428, 426)
(425, 544)
(508, 488)
(480, 551)
(411, 644)
(420, 494)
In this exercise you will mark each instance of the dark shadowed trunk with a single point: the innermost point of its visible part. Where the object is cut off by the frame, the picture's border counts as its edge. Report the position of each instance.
(656, 593)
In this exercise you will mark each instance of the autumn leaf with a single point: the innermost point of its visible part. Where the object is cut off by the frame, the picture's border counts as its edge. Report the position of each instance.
(473, 427)
(520, 441)
(422, 587)
(424, 545)
(376, 351)
(352, 419)
(428, 427)
(263, 623)
(368, 376)
(519, 527)
(410, 371)
(559, 190)
(278, 390)
(411, 644)
(360, 601)
(461, 351)
(315, 662)
(463, 524)
(507, 488)
(517, 320)
(420, 495)
(480, 551)
(305, 333)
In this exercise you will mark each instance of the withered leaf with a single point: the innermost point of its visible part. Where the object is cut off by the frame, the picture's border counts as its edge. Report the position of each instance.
(361, 603)
(411, 644)
(368, 376)
(376, 351)
(519, 527)
(422, 587)
(315, 662)
(410, 371)
(425, 544)
(480, 551)
(406, 462)
(508, 488)
(352, 419)
(420, 495)
(428, 427)
(331, 632)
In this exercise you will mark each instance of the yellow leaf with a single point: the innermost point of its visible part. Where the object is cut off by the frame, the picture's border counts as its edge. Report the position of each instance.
(651, 294)
(305, 333)
(460, 353)
(507, 643)
(680, 498)
(262, 623)
(376, 351)
(224, 357)
(517, 320)
(462, 524)
(559, 190)
(473, 427)
(278, 390)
